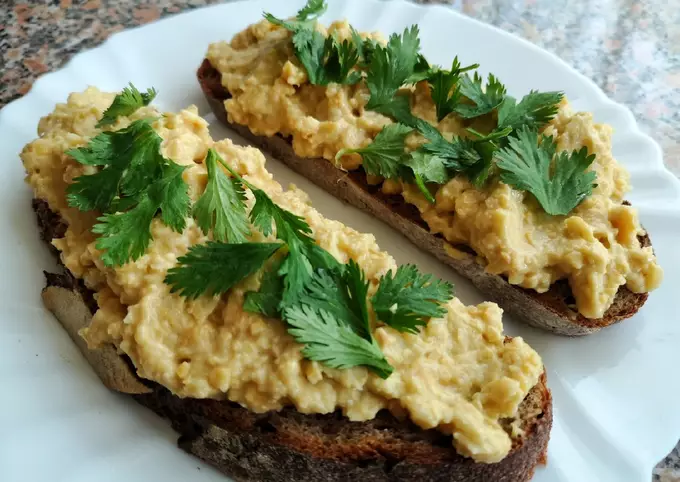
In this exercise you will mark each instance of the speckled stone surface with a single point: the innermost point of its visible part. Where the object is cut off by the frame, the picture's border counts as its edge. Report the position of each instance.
(630, 48)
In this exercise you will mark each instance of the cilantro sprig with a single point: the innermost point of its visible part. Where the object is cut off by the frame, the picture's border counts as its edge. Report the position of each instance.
(558, 182)
(125, 236)
(328, 340)
(221, 207)
(214, 268)
(267, 300)
(384, 156)
(406, 299)
(446, 88)
(390, 67)
(485, 100)
(534, 111)
(325, 59)
(133, 184)
(303, 252)
(126, 103)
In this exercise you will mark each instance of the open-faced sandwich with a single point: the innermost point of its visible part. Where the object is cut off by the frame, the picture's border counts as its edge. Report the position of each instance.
(282, 346)
(523, 197)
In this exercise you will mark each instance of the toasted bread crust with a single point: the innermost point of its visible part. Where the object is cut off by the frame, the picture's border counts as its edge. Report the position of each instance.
(288, 446)
(550, 311)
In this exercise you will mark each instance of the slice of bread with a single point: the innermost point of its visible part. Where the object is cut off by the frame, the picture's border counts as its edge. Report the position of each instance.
(553, 310)
(289, 446)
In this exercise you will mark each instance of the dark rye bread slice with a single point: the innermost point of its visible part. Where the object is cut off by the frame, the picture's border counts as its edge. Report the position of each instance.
(554, 310)
(288, 446)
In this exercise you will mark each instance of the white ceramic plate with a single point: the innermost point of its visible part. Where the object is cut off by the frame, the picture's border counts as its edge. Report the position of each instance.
(615, 393)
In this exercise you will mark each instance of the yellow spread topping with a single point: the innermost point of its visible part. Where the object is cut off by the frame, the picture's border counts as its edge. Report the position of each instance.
(595, 247)
(458, 374)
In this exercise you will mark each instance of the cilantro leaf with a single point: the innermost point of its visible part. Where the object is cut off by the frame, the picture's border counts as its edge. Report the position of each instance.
(485, 100)
(297, 268)
(171, 194)
(421, 71)
(459, 153)
(305, 17)
(310, 49)
(342, 58)
(214, 268)
(384, 156)
(265, 215)
(365, 47)
(427, 167)
(222, 207)
(486, 146)
(399, 109)
(391, 66)
(407, 299)
(268, 298)
(445, 91)
(129, 159)
(303, 252)
(312, 10)
(126, 103)
(534, 110)
(445, 87)
(526, 164)
(328, 340)
(97, 152)
(342, 295)
(480, 172)
(126, 235)
(324, 58)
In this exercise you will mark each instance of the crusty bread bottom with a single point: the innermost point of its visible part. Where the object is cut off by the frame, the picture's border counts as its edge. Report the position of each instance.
(552, 310)
(288, 446)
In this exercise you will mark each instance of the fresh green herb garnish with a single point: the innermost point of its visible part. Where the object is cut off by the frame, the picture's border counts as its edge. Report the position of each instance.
(445, 87)
(390, 67)
(421, 71)
(221, 207)
(267, 300)
(459, 153)
(303, 253)
(384, 156)
(445, 90)
(134, 182)
(486, 146)
(427, 168)
(342, 294)
(323, 302)
(332, 319)
(527, 163)
(342, 58)
(214, 268)
(126, 235)
(329, 340)
(485, 100)
(325, 59)
(129, 160)
(407, 299)
(305, 17)
(534, 110)
(125, 103)
(312, 10)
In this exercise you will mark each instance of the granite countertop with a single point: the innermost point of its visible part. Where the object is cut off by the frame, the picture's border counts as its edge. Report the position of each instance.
(630, 48)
